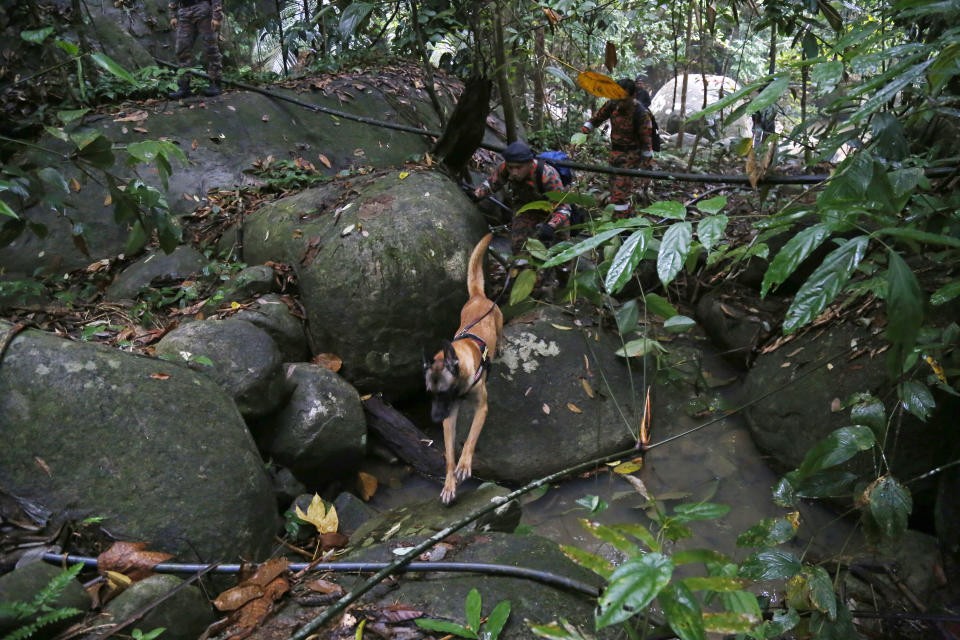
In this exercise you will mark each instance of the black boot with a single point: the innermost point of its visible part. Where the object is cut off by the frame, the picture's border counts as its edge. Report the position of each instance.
(183, 89)
(212, 89)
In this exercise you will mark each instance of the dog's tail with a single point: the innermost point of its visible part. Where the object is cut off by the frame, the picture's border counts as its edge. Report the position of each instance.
(475, 270)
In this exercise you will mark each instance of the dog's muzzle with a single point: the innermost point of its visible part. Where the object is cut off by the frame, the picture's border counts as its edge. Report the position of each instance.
(442, 405)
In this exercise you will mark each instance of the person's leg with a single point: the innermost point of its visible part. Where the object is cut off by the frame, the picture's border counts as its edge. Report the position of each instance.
(621, 187)
(212, 50)
(186, 36)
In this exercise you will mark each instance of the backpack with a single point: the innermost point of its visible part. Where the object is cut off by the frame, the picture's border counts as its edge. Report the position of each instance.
(577, 215)
(656, 141)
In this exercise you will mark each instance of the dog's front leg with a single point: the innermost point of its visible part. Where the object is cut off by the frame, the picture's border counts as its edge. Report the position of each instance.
(449, 442)
(465, 466)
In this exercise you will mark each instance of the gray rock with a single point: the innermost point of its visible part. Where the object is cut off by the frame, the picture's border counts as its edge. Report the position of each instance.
(351, 512)
(737, 320)
(252, 281)
(666, 106)
(429, 516)
(144, 444)
(272, 314)
(157, 265)
(321, 431)
(26, 581)
(381, 278)
(286, 487)
(184, 615)
(246, 362)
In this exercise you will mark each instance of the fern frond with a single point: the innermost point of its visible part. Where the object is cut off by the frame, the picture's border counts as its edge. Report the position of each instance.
(55, 587)
(56, 615)
(16, 610)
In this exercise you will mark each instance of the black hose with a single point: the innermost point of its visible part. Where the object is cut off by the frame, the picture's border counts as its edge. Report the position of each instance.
(544, 577)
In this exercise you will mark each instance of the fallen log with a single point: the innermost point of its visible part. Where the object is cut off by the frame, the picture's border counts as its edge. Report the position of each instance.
(402, 437)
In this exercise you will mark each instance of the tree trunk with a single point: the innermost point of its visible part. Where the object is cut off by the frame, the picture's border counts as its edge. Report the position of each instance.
(539, 94)
(503, 84)
(283, 43)
(686, 76)
(425, 61)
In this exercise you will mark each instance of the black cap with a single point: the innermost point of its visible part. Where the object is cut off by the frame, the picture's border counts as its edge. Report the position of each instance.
(518, 151)
(627, 85)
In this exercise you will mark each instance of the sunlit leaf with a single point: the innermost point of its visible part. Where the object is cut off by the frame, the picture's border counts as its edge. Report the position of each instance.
(632, 586)
(795, 251)
(679, 324)
(324, 520)
(640, 347)
(587, 560)
(600, 85)
(628, 256)
(581, 248)
(107, 63)
(710, 230)
(667, 209)
(523, 286)
(36, 36)
(673, 251)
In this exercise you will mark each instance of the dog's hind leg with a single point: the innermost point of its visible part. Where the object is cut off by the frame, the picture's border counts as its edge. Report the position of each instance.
(449, 442)
(465, 466)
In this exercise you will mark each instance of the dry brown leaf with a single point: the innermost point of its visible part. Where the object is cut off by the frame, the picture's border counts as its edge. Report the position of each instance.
(324, 160)
(42, 464)
(574, 408)
(137, 116)
(399, 613)
(319, 516)
(160, 376)
(366, 485)
(836, 405)
(248, 617)
(610, 56)
(333, 540)
(194, 144)
(638, 485)
(131, 559)
(552, 16)
(324, 586)
(328, 361)
(546, 408)
(74, 184)
(234, 598)
(108, 200)
(586, 387)
(267, 572)
(141, 130)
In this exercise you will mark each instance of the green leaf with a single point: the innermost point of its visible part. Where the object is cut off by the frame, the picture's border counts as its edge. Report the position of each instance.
(640, 347)
(698, 555)
(714, 583)
(66, 117)
(822, 484)
(581, 248)
(945, 294)
(690, 511)
(673, 250)
(679, 324)
(639, 531)
(881, 97)
(67, 46)
(355, 13)
(916, 398)
(633, 586)
(659, 306)
(820, 591)
(781, 622)
(587, 560)
(825, 283)
(557, 72)
(926, 237)
(444, 627)
(827, 75)
(611, 535)
(784, 494)
(768, 532)
(562, 631)
(473, 606)
(625, 262)
(729, 623)
(771, 564)
(523, 286)
(667, 209)
(770, 94)
(870, 411)
(890, 505)
(736, 96)
(831, 14)
(904, 311)
(683, 612)
(36, 36)
(944, 67)
(98, 152)
(795, 251)
(627, 316)
(53, 180)
(496, 620)
(536, 205)
(838, 447)
(7, 211)
(710, 230)
(137, 239)
(107, 63)
(712, 205)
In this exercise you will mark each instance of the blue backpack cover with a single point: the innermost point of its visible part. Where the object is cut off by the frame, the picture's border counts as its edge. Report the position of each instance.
(551, 157)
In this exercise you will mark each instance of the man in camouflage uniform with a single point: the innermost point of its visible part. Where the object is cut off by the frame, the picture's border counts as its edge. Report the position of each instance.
(189, 18)
(525, 179)
(631, 137)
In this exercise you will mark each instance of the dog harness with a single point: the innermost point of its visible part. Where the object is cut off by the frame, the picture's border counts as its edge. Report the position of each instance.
(484, 357)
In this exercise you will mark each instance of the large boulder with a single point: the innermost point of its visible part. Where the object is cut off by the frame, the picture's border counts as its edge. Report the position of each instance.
(272, 314)
(665, 106)
(183, 615)
(24, 583)
(222, 138)
(381, 268)
(158, 451)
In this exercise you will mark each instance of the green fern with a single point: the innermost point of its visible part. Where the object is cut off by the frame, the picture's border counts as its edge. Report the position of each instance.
(41, 606)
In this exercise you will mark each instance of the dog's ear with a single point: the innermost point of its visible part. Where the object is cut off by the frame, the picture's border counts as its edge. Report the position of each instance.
(450, 356)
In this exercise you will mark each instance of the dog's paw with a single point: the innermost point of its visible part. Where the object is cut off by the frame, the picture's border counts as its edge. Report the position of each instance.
(448, 494)
(463, 472)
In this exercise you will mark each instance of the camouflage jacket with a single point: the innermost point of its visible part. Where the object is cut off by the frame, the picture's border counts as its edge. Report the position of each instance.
(528, 191)
(216, 8)
(625, 133)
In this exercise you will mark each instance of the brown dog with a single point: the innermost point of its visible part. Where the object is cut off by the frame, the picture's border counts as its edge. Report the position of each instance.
(459, 371)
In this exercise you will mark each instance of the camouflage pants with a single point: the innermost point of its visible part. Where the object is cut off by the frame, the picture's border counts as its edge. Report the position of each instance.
(192, 21)
(623, 187)
(525, 225)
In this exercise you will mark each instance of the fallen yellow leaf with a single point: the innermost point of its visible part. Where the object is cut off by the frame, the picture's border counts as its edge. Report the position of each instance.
(573, 407)
(404, 174)
(560, 326)
(586, 387)
(75, 184)
(629, 467)
(317, 515)
(366, 484)
(323, 160)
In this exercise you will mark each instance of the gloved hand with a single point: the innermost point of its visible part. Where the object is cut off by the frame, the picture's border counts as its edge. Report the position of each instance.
(584, 129)
(545, 232)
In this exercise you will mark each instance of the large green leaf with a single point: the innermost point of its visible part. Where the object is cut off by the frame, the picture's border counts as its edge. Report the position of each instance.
(714, 583)
(496, 620)
(795, 251)
(826, 75)
(611, 535)
(725, 102)
(473, 608)
(838, 447)
(690, 511)
(640, 347)
(904, 311)
(890, 505)
(926, 237)
(768, 532)
(712, 205)
(679, 324)
(637, 530)
(107, 63)
(600, 566)
(770, 94)
(825, 283)
(632, 587)
(667, 209)
(625, 262)
(36, 36)
(820, 591)
(673, 250)
(880, 98)
(710, 230)
(771, 564)
(99, 153)
(581, 247)
(561, 74)
(683, 612)
(523, 286)
(355, 13)
(946, 293)
(944, 67)
(822, 484)
(66, 117)
(916, 398)
(660, 306)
